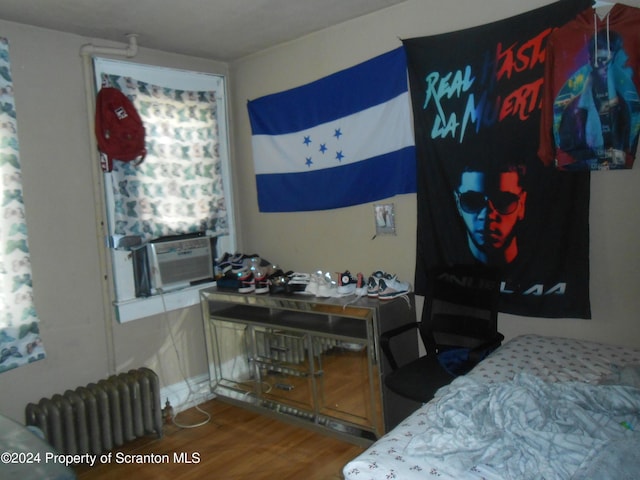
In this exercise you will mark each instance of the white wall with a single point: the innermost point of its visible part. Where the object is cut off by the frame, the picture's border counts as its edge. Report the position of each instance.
(340, 239)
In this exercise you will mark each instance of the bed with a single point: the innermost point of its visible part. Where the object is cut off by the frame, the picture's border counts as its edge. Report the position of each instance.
(25, 455)
(539, 407)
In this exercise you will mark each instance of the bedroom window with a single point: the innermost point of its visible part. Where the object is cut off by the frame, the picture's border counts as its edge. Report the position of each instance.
(182, 186)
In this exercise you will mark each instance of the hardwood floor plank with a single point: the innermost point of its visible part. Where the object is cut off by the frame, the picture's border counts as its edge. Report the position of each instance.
(237, 444)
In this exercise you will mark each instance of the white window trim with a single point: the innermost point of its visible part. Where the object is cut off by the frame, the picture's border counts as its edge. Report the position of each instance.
(130, 309)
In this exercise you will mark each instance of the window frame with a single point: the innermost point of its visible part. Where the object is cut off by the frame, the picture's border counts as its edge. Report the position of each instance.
(128, 309)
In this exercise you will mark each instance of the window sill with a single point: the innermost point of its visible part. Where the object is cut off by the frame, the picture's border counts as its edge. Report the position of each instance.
(130, 310)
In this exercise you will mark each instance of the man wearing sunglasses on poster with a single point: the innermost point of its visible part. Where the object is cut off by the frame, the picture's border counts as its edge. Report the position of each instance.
(491, 204)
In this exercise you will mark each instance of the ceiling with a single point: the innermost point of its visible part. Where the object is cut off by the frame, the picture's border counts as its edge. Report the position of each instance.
(216, 29)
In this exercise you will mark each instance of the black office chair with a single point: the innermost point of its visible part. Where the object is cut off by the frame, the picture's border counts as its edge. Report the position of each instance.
(458, 329)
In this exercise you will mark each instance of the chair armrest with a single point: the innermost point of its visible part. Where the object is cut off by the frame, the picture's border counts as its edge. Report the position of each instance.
(386, 337)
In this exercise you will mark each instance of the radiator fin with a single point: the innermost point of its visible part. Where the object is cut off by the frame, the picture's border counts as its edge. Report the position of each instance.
(102, 415)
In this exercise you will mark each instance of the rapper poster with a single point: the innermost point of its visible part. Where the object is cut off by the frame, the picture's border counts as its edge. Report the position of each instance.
(483, 193)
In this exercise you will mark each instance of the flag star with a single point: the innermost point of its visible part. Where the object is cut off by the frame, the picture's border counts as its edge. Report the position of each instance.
(307, 140)
(309, 162)
(338, 133)
(323, 148)
(339, 156)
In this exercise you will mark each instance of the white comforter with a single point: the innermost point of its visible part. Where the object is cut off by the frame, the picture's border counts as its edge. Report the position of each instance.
(527, 429)
(524, 428)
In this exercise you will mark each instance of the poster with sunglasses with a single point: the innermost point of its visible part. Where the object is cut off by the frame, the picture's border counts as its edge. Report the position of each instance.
(484, 196)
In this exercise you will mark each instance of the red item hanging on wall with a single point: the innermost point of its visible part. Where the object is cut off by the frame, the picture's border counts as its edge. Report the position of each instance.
(119, 129)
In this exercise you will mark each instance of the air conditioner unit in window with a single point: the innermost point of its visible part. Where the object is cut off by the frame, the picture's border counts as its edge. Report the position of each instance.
(179, 262)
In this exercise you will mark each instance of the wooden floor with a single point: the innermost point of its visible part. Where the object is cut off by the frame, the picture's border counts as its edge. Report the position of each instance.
(236, 444)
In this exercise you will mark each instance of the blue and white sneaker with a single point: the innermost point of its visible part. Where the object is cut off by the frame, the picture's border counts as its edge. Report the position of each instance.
(237, 263)
(224, 263)
(390, 287)
(373, 283)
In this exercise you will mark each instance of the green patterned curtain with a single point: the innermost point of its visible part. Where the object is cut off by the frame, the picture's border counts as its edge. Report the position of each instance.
(20, 341)
(178, 188)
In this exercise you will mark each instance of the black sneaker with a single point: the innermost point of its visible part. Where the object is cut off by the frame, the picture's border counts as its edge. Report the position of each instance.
(346, 283)
(297, 282)
(229, 282)
(277, 282)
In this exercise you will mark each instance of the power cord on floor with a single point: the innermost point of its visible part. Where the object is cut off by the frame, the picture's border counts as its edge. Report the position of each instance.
(192, 394)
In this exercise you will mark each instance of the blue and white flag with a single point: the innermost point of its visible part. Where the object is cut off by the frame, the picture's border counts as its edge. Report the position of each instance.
(343, 140)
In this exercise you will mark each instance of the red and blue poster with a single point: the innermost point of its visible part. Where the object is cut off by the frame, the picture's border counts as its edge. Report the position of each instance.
(591, 105)
(484, 195)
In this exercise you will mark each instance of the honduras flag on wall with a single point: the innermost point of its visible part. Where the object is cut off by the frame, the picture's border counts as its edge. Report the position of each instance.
(343, 140)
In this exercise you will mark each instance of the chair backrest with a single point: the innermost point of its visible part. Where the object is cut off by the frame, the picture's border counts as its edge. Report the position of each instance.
(461, 308)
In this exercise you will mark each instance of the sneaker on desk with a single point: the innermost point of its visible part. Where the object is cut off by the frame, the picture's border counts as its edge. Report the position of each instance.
(278, 281)
(361, 286)
(373, 283)
(346, 284)
(298, 282)
(237, 262)
(314, 284)
(224, 263)
(247, 281)
(327, 287)
(391, 287)
(261, 281)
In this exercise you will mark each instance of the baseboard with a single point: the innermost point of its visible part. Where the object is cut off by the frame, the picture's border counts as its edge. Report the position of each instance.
(183, 395)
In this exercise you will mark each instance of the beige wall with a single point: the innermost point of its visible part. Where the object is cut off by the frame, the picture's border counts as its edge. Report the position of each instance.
(59, 198)
(56, 160)
(340, 239)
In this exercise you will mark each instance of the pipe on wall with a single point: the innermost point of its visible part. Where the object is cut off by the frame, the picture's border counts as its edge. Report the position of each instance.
(130, 51)
(86, 52)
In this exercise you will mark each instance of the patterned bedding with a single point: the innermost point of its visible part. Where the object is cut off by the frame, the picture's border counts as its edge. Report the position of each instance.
(538, 407)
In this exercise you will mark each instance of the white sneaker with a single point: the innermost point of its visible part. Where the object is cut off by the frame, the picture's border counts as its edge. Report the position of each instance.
(314, 284)
(361, 286)
(327, 286)
(391, 287)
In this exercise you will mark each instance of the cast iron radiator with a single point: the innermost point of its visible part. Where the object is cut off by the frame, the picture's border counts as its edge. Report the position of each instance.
(102, 415)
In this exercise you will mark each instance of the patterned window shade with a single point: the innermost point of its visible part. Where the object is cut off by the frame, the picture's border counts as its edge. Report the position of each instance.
(20, 341)
(178, 188)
